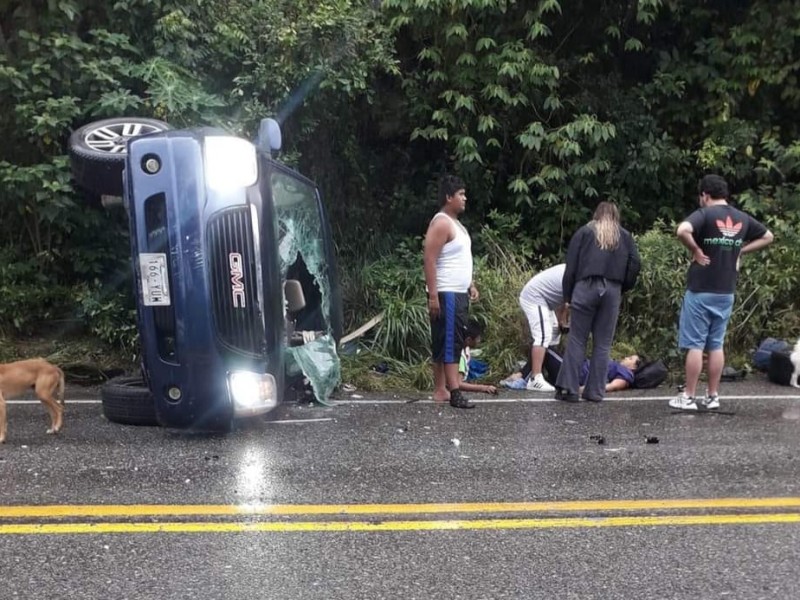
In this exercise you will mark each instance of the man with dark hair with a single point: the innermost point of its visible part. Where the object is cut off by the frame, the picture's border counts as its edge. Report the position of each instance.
(717, 235)
(447, 262)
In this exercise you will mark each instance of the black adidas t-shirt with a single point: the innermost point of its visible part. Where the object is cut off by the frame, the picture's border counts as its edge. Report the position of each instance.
(720, 231)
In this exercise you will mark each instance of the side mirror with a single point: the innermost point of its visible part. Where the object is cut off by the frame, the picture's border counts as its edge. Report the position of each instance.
(293, 292)
(269, 136)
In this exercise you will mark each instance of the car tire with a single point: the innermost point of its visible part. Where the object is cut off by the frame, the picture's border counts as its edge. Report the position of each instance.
(128, 401)
(97, 151)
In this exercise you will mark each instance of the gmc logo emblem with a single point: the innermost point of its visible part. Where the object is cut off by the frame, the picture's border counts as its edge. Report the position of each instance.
(237, 279)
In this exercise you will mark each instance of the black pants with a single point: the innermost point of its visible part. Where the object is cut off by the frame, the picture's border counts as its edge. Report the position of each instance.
(594, 310)
(550, 367)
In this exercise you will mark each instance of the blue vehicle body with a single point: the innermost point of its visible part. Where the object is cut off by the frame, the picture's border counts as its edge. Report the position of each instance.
(210, 279)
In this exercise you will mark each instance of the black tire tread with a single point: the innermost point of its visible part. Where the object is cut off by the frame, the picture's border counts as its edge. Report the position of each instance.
(128, 401)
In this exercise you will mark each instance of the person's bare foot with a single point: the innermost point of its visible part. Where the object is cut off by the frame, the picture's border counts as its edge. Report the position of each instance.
(441, 396)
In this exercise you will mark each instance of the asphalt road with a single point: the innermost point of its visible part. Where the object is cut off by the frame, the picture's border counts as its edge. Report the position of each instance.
(384, 498)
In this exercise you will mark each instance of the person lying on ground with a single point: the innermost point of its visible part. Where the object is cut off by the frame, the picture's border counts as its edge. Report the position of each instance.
(619, 376)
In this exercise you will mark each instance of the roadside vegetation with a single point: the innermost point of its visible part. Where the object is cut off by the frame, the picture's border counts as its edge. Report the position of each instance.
(543, 107)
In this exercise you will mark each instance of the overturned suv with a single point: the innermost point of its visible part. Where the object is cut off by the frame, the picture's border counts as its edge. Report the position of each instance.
(236, 284)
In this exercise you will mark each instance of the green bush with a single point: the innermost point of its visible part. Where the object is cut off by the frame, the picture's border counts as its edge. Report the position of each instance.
(109, 314)
(30, 297)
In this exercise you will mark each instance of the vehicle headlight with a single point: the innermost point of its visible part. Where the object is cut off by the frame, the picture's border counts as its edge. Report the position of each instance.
(230, 162)
(252, 392)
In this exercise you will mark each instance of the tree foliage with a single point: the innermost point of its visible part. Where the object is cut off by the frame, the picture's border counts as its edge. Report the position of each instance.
(544, 106)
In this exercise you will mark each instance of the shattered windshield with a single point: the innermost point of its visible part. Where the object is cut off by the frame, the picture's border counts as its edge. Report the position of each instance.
(302, 258)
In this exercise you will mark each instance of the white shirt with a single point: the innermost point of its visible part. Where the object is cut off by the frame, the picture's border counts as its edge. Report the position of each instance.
(454, 263)
(545, 289)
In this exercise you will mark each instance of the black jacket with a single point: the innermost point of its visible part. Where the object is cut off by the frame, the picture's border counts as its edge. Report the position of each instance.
(586, 259)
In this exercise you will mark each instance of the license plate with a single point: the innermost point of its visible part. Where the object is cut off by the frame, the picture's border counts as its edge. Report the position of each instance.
(155, 279)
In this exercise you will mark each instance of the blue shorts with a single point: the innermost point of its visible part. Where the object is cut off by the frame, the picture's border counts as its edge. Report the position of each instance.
(448, 330)
(704, 319)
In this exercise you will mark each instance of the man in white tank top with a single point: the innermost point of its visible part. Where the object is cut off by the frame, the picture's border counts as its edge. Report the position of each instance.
(447, 262)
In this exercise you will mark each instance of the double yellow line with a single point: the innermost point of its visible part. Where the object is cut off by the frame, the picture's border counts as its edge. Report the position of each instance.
(48, 519)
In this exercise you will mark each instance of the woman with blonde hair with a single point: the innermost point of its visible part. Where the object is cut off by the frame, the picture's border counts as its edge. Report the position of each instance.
(602, 263)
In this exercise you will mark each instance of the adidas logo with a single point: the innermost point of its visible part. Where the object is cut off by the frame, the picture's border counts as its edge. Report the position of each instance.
(728, 228)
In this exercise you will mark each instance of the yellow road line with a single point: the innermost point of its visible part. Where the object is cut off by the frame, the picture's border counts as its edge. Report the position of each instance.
(149, 510)
(362, 526)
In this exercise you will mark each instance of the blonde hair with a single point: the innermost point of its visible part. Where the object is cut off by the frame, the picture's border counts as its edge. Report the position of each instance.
(605, 224)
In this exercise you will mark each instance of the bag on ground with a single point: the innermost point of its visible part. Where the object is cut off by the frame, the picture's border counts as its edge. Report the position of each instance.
(780, 367)
(650, 375)
(761, 357)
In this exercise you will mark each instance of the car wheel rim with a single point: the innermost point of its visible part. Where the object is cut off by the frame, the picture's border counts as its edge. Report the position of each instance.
(112, 138)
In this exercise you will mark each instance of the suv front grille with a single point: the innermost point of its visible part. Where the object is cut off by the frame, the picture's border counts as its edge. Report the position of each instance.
(234, 283)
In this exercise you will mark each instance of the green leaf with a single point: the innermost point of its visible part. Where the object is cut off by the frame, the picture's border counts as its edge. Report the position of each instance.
(485, 43)
(466, 59)
(518, 186)
(633, 45)
(538, 30)
(486, 123)
(456, 30)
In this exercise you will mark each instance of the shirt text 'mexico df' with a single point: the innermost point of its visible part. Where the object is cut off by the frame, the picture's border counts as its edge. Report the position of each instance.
(720, 231)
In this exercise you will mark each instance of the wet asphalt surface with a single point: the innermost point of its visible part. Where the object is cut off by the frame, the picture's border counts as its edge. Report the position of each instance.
(401, 452)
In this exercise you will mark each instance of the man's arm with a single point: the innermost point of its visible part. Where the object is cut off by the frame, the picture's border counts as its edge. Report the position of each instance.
(634, 265)
(475, 387)
(762, 242)
(562, 315)
(617, 385)
(685, 233)
(571, 270)
(473, 292)
(435, 239)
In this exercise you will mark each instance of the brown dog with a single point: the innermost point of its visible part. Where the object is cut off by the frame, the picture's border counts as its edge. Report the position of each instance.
(47, 380)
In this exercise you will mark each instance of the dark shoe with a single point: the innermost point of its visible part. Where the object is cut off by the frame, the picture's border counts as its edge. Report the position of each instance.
(592, 399)
(565, 396)
(457, 400)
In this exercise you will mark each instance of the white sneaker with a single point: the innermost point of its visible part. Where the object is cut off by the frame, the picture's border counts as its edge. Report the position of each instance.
(710, 402)
(538, 384)
(683, 402)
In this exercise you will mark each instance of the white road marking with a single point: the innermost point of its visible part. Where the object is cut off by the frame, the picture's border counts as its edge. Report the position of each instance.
(86, 401)
(543, 399)
(300, 421)
(533, 400)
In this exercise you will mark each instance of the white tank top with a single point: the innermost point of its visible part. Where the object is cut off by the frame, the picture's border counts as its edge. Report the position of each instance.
(454, 265)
